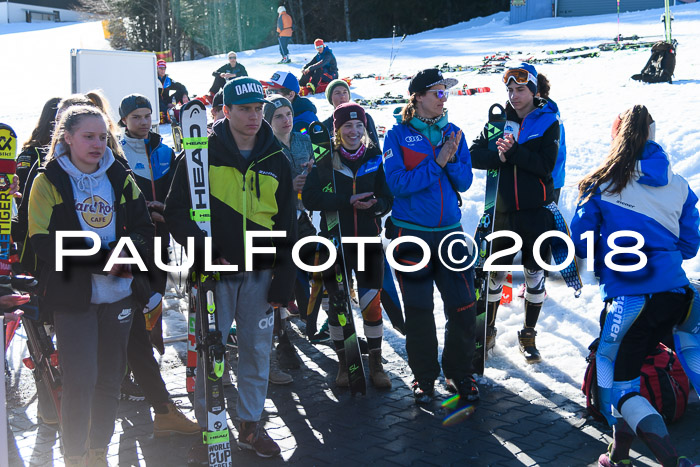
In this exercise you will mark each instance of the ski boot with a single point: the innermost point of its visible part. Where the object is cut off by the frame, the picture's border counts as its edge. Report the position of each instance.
(526, 340)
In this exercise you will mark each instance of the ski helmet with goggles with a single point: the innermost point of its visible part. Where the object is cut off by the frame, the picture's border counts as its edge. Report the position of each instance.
(525, 74)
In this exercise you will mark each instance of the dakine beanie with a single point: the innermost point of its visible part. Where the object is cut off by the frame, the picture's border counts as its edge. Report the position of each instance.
(276, 102)
(346, 112)
(334, 84)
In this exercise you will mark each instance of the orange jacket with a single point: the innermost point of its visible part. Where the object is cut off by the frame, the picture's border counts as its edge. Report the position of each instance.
(284, 25)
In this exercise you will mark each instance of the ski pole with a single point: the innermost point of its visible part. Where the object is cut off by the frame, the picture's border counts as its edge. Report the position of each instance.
(391, 55)
(397, 52)
(618, 22)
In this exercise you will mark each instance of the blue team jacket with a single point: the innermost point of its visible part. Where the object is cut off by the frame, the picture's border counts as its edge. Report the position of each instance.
(657, 204)
(424, 193)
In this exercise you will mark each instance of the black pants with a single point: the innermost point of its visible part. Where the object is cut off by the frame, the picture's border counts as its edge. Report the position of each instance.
(219, 83)
(315, 77)
(529, 225)
(139, 355)
(457, 292)
(660, 313)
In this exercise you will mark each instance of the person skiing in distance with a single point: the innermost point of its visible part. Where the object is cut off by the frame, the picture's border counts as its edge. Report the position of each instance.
(82, 187)
(285, 30)
(635, 189)
(338, 92)
(427, 164)
(304, 110)
(233, 69)
(525, 161)
(559, 172)
(244, 157)
(361, 198)
(323, 67)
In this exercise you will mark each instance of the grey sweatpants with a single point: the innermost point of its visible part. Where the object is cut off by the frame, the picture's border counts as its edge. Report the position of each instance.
(92, 356)
(243, 297)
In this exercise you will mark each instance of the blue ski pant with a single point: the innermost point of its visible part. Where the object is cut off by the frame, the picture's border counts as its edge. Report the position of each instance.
(284, 43)
(243, 297)
(633, 326)
(457, 291)
(92, 355)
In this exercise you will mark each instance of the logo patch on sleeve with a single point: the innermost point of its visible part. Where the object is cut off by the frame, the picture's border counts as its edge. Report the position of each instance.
(388, 154)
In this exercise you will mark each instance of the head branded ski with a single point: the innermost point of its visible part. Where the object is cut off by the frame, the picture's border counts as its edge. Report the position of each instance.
(209, 341)
(340, 300)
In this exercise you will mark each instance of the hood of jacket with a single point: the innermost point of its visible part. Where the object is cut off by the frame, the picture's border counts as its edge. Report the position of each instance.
(653, 166)
(80, 178)
(301, 105)
(550, 105)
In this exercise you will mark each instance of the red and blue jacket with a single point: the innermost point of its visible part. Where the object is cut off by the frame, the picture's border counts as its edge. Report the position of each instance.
(425, 194)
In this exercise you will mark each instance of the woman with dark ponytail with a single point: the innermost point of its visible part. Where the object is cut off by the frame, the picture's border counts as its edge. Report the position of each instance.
(643, 222)
(36, 147)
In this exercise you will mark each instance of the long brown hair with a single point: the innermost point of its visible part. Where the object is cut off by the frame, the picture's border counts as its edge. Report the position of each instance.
(96, 99)
(409, 110)
(41, 135)
(621, 164)
(70, 119)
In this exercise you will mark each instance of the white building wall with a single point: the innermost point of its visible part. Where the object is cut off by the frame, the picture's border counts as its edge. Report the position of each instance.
(17, 13)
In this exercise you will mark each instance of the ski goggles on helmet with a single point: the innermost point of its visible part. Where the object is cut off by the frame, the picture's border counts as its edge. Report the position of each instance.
(519, 75)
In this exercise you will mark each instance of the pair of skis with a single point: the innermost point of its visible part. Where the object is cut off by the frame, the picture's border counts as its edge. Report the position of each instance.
(209, 345)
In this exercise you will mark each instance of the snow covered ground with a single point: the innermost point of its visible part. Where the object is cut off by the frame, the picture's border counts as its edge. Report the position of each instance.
(590, 93)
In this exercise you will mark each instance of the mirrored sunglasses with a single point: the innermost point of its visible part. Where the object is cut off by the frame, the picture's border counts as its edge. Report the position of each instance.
(440, 93)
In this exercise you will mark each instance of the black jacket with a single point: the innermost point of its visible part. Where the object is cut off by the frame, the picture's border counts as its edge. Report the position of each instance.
(239, 70)
(526, 177)
(252, 194)
(366, 175)
(70, 289)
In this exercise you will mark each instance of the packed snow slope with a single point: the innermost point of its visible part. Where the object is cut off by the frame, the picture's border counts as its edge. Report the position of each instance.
(590, 92)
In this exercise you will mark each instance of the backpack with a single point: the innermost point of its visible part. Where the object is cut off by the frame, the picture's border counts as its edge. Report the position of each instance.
(663, 383)
(661, 64)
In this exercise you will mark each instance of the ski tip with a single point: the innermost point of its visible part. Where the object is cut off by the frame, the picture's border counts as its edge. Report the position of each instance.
(193, 107)
(316, 128)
